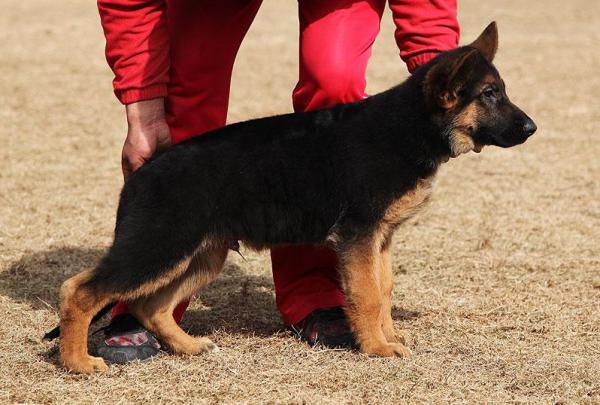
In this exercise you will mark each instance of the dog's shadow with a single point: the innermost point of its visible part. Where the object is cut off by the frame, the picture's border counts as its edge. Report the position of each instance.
(235, 302)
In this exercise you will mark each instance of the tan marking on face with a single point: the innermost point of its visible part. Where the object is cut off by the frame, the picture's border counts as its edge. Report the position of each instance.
(447, 101)
(488, 80)
(462, 128)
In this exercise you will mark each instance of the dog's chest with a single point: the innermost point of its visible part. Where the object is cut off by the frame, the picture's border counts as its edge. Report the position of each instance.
(409, 204)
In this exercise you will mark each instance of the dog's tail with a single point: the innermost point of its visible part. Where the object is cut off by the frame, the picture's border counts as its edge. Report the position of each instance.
(54, 333)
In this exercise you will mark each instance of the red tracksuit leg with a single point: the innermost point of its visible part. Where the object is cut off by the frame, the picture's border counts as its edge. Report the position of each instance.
(204, 39)
(336, 37)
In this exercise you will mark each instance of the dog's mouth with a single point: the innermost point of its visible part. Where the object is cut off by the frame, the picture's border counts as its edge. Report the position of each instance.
(504, 142)
(506, 139)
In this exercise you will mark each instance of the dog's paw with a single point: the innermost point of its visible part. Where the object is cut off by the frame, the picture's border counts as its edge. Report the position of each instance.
(388, 350)
(395, 336)
(86, 365)
(399, 350)
(205, 345)
(193, 345)
(200, 345)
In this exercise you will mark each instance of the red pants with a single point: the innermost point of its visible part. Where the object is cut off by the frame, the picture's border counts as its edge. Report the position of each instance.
(336, 37)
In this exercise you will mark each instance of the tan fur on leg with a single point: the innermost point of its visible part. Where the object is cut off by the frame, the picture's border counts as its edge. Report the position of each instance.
(77, 307)
(155, 312)
(386, 283)
(361, 272)
(79, 304)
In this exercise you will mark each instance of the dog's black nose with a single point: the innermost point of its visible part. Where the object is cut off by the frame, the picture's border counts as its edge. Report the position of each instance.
(529, 127)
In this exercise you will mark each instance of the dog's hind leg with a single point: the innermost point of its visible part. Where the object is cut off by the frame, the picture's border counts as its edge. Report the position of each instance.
(155, 311)
(361, 268)
(78, 305)
(86, 293)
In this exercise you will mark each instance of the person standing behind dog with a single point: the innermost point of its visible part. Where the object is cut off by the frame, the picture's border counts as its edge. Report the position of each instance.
(173, 60)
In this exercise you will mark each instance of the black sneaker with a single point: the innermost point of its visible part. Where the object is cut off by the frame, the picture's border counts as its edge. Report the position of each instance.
(126, 340)
(327, 327)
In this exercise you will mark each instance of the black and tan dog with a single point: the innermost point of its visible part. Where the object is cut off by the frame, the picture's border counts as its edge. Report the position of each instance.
(344, 177)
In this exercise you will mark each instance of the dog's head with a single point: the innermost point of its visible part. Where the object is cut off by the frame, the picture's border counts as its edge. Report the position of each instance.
(468, 98)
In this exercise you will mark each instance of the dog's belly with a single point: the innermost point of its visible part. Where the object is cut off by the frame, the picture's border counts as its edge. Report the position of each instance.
(264, 226)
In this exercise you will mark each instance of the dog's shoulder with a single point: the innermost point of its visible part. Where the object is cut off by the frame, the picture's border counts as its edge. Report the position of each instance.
(408, 204)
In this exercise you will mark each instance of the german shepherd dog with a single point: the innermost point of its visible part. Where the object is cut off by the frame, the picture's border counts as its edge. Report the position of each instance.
(343, 177)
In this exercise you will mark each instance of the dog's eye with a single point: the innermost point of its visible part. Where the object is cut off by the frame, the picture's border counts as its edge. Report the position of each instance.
(489, 92)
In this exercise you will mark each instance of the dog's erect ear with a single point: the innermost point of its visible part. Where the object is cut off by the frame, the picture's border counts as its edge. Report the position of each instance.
(487, 42)
(445, 80)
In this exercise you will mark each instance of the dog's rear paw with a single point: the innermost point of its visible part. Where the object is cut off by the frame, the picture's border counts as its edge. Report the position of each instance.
(388, 350)
(87, 365)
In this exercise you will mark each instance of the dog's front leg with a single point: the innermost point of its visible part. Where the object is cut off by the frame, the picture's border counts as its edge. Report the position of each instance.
(361, 271)
(386, 283)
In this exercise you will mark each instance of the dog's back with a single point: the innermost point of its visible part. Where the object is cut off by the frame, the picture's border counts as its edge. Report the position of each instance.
(279, 180)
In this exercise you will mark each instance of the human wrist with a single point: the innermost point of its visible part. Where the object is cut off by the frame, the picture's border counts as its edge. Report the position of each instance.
(145, 113)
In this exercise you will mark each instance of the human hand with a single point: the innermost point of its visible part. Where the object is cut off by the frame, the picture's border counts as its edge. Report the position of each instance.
(147, 132)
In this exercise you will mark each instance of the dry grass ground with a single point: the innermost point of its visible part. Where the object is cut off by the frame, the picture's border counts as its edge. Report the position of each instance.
(499, 283)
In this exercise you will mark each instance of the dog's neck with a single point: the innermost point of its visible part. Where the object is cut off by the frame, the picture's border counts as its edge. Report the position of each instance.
(410, 130)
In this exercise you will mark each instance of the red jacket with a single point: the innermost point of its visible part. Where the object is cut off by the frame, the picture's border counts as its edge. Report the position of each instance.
(423, 28)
